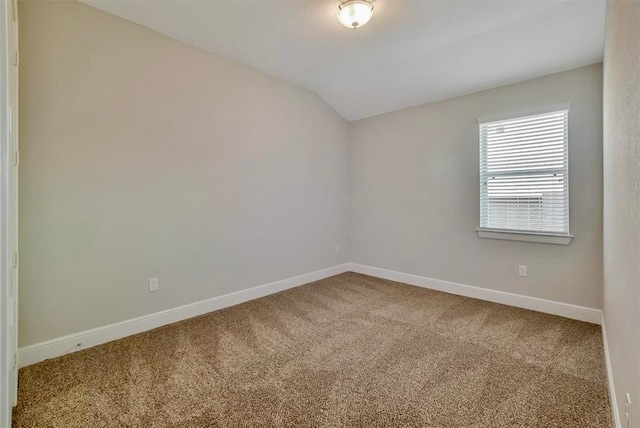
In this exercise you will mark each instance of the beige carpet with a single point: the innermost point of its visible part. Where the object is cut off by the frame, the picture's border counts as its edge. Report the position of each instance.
(350, 350)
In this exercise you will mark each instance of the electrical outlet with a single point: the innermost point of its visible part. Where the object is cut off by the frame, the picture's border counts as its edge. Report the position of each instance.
(154, 285)
(337, 248)
(522, 270)
(627, 406)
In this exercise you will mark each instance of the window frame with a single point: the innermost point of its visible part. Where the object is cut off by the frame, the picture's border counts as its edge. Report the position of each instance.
(556, 238)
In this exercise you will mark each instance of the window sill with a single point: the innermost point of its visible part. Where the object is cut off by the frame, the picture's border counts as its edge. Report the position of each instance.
(510, 235)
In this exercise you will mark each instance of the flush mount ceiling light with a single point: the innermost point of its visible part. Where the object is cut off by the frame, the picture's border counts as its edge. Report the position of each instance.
(355, 13)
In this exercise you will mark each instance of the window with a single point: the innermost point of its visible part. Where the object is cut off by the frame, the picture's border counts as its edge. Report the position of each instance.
(524, 189)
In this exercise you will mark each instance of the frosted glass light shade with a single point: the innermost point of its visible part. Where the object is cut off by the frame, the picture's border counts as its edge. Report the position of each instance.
(355, 13)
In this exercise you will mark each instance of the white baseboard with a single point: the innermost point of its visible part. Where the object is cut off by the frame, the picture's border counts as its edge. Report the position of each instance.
(541, 305)
(612, 391)
(38, 352)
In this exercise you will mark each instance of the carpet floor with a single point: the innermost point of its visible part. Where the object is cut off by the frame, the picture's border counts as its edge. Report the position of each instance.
(350, 350)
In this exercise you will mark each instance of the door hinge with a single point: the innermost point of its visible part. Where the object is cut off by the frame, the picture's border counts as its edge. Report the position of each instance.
(15, 360)
(16, 58)
(17, 161)
(15, 259)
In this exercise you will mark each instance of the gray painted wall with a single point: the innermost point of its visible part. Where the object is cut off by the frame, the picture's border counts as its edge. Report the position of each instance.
(143, 157)
(415, 192)
(622, 200)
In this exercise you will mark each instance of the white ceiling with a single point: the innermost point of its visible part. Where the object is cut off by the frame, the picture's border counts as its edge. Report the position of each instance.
(410, 53)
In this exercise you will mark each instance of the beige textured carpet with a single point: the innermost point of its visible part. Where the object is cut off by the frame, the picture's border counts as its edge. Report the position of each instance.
(350, 350)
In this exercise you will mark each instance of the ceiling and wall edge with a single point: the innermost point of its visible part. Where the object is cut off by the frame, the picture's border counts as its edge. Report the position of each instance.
(411, 54)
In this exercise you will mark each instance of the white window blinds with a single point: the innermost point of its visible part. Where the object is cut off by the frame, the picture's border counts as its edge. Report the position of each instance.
(524, 174)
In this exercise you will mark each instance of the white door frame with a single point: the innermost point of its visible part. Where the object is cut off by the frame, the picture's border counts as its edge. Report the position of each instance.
(8, 208)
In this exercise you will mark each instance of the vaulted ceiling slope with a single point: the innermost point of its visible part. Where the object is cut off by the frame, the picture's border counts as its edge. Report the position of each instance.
(412, 52)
